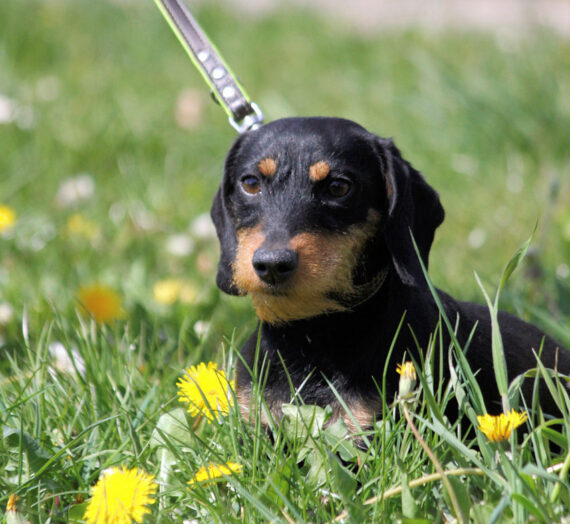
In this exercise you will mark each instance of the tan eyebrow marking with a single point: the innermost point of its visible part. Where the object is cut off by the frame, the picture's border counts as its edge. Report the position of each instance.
(267, 166)
(319, 171)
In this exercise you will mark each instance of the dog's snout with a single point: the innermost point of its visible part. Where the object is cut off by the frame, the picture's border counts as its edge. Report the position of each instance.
(275, 266)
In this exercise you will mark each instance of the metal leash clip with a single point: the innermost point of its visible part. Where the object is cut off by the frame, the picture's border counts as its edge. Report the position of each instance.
(249, 122)
(243, 114)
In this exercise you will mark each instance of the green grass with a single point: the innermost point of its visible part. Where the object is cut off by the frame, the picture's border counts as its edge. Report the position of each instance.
(95, 86)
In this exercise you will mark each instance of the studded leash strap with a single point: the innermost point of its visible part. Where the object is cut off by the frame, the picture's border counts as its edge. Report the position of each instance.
(243, 114)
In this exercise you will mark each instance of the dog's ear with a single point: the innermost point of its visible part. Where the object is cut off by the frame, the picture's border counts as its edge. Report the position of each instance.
(413, 206)
(225, 228)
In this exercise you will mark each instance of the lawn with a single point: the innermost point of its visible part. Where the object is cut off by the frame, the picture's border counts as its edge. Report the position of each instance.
(111, 152)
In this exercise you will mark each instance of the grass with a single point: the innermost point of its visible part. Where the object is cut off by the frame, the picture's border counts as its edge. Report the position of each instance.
(93, 87)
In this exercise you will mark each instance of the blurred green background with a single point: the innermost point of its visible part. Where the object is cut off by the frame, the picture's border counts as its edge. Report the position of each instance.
(100, 96)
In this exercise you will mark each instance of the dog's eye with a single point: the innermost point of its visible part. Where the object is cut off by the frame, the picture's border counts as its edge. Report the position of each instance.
(250, 184)
(338, 188)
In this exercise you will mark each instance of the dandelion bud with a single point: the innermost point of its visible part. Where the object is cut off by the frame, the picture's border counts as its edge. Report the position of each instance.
(408, 379)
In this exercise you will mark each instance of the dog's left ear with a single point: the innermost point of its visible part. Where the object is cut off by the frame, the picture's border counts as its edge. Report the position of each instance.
(225, 229)
(413, 206)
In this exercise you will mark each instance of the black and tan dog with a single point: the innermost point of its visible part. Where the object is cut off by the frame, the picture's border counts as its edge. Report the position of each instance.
(314, 218)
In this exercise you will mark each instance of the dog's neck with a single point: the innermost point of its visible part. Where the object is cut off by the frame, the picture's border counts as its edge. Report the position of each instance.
(364, 292)
(328, 341)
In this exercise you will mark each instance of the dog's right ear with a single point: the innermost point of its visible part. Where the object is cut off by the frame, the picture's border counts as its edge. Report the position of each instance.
(225, 228)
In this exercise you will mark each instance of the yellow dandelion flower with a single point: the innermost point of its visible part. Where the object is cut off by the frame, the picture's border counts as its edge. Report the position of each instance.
(12, 503)
(498, 428)
(408, 378)
(407, 370)
(206, 390)
(102, 302)
(7, 217)
(213, 471)
(171, 290)
(79, 226)
(121, 496)
(166, 291)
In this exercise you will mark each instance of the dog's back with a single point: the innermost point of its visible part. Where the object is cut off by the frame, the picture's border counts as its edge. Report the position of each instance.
(522, 343)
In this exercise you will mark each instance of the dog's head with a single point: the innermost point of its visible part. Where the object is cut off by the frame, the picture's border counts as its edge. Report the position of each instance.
(312, 212)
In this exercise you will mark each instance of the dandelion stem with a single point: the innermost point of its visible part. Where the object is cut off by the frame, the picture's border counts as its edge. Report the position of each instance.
(198, 419)
(436, 464)
(426, 479)
(287, 516)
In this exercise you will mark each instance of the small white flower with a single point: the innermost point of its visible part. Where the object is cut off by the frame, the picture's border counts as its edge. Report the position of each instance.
(6, 313)
(179, 245)
(13, 112)
(7, 110)
(201, 328)
(477, 238)
(203, 228)
(141, 217)
(64, 361)
(37, 233)
(105, 472)
(562, 271)
(75, 189)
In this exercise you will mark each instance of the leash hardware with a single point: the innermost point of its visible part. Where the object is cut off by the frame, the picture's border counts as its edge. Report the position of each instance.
(243, 115)
(250, 122)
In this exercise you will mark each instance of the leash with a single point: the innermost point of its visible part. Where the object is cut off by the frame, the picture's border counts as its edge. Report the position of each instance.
(243, 114)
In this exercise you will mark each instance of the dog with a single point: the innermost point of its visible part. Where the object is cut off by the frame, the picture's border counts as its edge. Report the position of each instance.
(315, 218)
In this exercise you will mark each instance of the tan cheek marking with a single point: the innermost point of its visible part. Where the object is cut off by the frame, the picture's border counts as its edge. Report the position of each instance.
(319, 171)
(325, 261)
(249, 240)
(267, 166)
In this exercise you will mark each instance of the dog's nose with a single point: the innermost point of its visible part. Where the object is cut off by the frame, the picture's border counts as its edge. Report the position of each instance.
(275, 266)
